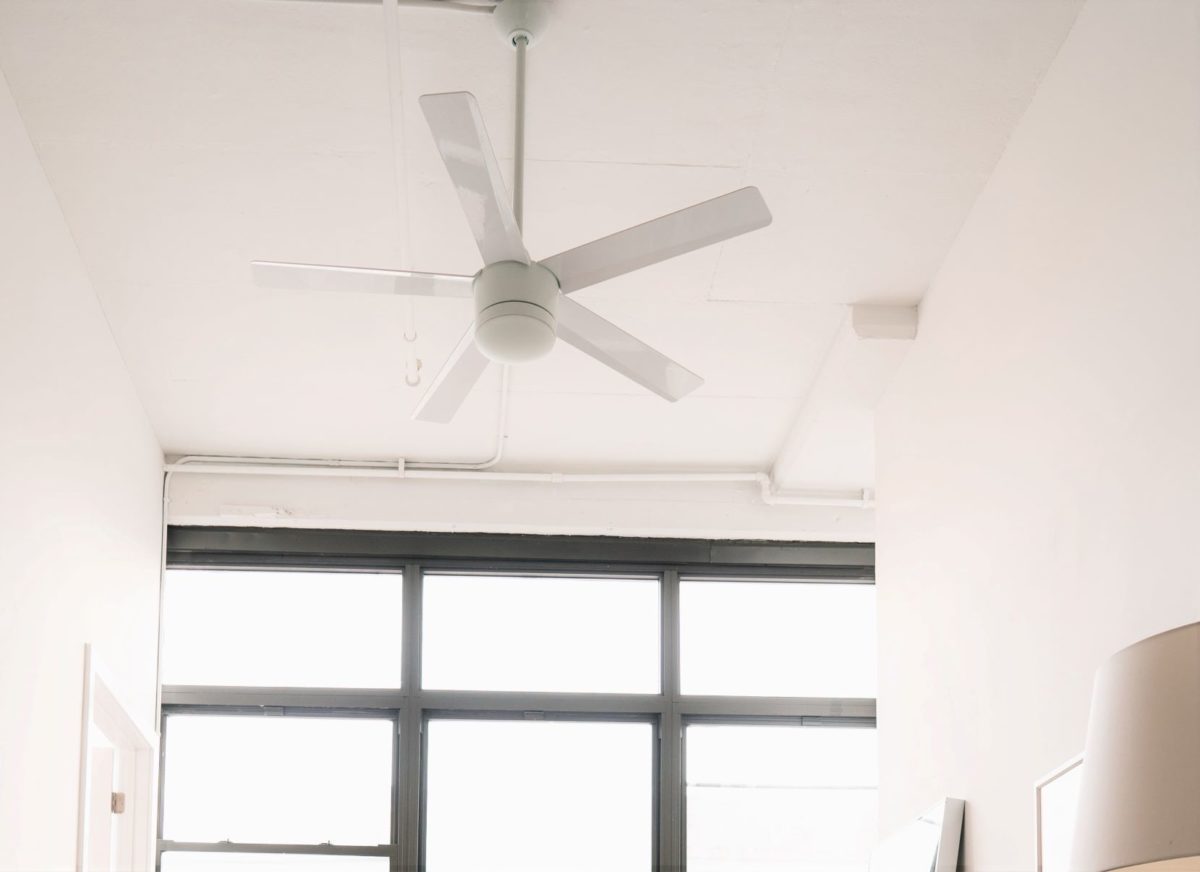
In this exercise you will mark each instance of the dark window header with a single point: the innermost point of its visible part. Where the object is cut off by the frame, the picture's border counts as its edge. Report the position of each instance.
(286, 547)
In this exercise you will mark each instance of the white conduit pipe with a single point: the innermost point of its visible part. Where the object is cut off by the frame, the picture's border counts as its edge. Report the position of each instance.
(399, 469)
(486, 8)
(501, 439)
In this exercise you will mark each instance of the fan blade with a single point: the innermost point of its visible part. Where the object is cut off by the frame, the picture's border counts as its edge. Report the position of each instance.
(628, 355)
(453, 381)
(462, 139)
(669, 236)
(315, 277)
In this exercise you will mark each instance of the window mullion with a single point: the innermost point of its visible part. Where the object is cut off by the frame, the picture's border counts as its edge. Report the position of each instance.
(670, 766)
(410, 760)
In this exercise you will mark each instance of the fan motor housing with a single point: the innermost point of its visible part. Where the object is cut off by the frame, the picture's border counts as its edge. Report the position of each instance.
(515, 311)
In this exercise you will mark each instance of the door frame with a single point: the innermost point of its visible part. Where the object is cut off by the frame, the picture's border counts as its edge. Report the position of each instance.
(105, 716)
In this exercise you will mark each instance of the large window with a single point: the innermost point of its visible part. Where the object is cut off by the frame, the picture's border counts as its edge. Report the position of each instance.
(779, 797)
(369, 702)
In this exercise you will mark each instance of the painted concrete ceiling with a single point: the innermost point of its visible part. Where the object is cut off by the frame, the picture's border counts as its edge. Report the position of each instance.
(185, 139)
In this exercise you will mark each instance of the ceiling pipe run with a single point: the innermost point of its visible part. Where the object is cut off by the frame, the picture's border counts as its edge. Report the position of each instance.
(400, 469)
(487, 7)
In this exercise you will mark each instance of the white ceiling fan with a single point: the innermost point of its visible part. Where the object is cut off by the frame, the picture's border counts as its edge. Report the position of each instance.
(522, 306)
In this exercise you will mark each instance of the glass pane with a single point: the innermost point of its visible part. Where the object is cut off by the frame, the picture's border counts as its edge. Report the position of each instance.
(539, 795)
(768, 798)
(290, 780)
(596, 635)
(777, 638)
(179, 861)
(281, 629)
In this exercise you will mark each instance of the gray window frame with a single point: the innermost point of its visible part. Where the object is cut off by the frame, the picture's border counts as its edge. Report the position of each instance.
(411, 555)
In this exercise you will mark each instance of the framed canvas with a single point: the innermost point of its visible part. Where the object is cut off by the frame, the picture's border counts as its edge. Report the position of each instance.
(1057, 802)
(928, 844)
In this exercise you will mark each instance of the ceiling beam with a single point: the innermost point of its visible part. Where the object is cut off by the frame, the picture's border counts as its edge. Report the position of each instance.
(831, 443)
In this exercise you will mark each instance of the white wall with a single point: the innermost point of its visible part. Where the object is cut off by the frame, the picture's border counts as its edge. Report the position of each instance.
(79, 514)
(1039, 453)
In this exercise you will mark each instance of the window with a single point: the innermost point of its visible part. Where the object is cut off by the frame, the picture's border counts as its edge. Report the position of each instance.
(754, 638)
(770, 798)
(365, 702)
(487, 632)
(532, 793)
(290, 780)
(282, 629)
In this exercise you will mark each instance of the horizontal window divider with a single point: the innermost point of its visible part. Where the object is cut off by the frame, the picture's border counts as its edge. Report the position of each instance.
(541, 715)
(166, 845)
(742, 707)
(336, 702)
(808, 575)
(288, 697)
(517, 701)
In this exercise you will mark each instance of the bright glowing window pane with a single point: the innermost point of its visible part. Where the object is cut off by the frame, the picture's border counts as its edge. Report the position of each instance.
(777, 639)
(282, 629)
(178, 861)
(539, 796)
(287, 780)
(597, 635)
(775, 798)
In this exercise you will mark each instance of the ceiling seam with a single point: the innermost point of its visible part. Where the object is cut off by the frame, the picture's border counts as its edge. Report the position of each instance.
(803, 398)
(1001, 152)
(756, 130)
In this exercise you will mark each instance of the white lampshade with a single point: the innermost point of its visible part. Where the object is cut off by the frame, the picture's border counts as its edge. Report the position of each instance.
(1139, 802)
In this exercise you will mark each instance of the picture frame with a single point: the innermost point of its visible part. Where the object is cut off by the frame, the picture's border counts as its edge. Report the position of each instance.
(1056, 799)
(930, 843)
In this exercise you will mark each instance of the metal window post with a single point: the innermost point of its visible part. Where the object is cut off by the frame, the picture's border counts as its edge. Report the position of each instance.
(411, 758)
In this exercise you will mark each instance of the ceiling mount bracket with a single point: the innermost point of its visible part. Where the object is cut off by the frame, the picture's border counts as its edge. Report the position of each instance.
(522, 20)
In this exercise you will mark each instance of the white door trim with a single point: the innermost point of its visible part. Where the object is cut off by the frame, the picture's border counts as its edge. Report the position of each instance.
(104, 716)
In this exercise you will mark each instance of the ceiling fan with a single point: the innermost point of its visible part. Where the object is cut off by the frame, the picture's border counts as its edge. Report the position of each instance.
(523, 306)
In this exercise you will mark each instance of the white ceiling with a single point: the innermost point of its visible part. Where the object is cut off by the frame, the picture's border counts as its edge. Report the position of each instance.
(184, 139)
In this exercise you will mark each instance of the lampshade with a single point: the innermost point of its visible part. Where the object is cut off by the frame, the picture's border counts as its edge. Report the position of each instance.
(1139, 801)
